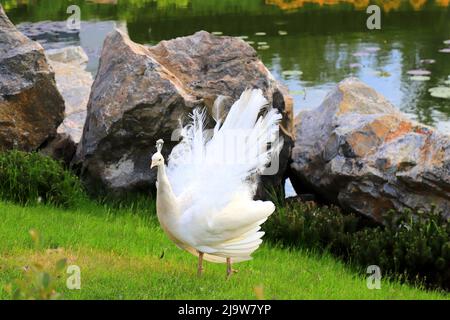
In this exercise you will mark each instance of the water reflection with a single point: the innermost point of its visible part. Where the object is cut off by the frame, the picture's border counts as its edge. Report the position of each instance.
(386, 5)
(326, 40)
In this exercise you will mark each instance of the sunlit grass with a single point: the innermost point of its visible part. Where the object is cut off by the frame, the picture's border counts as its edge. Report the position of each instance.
(123, 254)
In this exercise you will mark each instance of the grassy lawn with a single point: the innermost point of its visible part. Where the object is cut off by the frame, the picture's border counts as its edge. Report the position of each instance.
(123, 254)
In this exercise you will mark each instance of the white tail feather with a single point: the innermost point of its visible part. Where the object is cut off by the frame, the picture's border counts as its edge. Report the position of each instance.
(236, 150)
(212, 176)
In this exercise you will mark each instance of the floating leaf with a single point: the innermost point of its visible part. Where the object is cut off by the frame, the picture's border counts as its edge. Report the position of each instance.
(447, 82)
(251, 42)
(361, 54)
(265, 47)
(428, 61)
(419, 78)
(419, 72)
(383, 74)
(372, 49)
(297, 92)
(282, 32)
(440, 92)
(243, 37)
(291, 73)
(445, 50)
(217, 33)
(260, 34)
(447, 42)
(262, 43)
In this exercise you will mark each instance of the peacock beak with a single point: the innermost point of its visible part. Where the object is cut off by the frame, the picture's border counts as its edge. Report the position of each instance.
(153, 165)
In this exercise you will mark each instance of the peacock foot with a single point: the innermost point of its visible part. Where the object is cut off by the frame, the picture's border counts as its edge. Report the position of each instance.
(230, 270)
(200, 264)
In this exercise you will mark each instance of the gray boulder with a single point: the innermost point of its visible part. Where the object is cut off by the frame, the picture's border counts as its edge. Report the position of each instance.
(31, 107)
(357, 150)
(140, 93)
(74, 83)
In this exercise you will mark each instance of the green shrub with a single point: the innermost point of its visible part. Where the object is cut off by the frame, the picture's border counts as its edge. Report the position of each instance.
(312, 226)
(33, 178)
(412, 245)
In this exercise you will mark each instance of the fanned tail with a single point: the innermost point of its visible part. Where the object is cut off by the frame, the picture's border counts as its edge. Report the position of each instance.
(217, 163)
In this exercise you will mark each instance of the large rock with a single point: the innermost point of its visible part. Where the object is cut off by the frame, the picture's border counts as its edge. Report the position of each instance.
(359, 151)
(74, 83)
(50, 33)
(31, 108)
(140, 93)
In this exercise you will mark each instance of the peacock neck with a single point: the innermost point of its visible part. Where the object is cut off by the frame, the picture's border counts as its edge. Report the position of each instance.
(166, 200)
(163, 181)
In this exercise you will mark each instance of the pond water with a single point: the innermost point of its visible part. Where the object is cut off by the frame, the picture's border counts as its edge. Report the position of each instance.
(309, 45)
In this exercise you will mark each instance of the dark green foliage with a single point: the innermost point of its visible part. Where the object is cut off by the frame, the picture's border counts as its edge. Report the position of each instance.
(32, 178)
(412, 245)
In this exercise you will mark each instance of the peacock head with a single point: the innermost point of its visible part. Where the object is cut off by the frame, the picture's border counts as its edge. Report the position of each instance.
(157, 158)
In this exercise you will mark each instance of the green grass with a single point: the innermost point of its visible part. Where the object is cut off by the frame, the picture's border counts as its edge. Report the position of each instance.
(120, 253)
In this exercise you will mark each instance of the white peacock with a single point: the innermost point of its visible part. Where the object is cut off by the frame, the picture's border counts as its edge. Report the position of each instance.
(205, 202)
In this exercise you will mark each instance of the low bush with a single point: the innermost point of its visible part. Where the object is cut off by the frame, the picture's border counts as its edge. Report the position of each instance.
(414, 246)
(33, 178)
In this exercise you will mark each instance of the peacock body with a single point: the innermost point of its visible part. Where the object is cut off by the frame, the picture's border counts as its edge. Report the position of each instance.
(205, 194)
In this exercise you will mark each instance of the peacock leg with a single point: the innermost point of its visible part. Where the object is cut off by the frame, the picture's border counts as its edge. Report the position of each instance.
(230, 270)
(200, 263)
